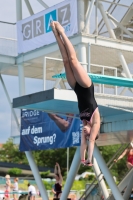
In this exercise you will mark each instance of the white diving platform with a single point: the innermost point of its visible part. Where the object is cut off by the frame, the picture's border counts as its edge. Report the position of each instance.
(116, 122)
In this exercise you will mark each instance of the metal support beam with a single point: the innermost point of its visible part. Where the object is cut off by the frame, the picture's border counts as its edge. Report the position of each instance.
(18, 10)
(43, 4)
(67, 160)
(29, 7)
(44, 73)
(82, 57)
(88, 14)
(113, 2)
(106, 42)
(96, 18)
(100, 179)
(111, 32)
(86, 6)
(107, 174)
(9, 101)
(62, 85)
(128, 189)
(111, 124)
(21, 80)
(125, 66)
(123, 91)
(106, 20)
(36, 174)
(125, 181)
(71, 175)
(89, 58)
(29, 156)
(80, 15)
(120, 25)
(58, 81)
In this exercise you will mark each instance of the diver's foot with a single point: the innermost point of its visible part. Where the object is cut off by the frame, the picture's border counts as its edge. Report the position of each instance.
(83, 162)
(54, 28)
(88, 163)
(59, 28)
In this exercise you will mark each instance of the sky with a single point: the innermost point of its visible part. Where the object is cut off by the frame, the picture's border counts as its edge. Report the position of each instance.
(8, 14)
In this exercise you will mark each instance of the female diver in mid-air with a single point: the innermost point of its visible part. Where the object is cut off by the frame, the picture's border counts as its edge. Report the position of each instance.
(80, 82)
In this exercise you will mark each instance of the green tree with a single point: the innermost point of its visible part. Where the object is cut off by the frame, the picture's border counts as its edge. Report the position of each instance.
(47, 158)
(15, 171)
(10, 153)
(45, 174)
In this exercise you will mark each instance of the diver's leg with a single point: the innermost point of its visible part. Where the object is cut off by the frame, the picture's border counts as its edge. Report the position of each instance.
(80, 74)
(69, 73)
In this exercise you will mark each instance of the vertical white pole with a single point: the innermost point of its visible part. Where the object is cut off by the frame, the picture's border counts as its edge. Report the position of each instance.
(18, 10)
(103, 84)
(44, 73)
(100, 88)
(88, 15)
(86, 10)
(21, 80)
(71, 175)
(107, 174)
(115, 73)
(89, 58)
(80, 14)
(67, 160)
(100, 179)
(82, 55)
(96, 17)
(29, 156)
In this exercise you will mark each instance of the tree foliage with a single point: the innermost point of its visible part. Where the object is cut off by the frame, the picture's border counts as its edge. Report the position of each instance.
(10, 153)
(47, 158)
(15, 172)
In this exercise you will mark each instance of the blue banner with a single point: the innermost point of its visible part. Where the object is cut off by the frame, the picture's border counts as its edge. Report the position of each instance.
(40, 130)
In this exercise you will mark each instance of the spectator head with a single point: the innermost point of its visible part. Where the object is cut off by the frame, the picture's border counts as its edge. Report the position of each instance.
(28, 184)
(7, 176)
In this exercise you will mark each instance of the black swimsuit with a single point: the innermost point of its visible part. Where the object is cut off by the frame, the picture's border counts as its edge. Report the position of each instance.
(86, 101)
(58, 190)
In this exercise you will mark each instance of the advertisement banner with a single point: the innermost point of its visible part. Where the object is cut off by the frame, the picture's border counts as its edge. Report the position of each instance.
(40, 130)
(35, 31)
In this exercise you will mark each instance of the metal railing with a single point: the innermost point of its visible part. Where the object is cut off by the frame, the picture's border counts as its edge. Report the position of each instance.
(102, 70)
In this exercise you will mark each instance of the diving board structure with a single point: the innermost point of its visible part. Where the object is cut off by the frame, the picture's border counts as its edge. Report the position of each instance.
(118, 121)
(102, 79)
(114, 124)
(101, 47)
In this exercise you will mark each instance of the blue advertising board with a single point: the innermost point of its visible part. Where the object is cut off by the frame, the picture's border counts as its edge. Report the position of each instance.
(40, 130)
